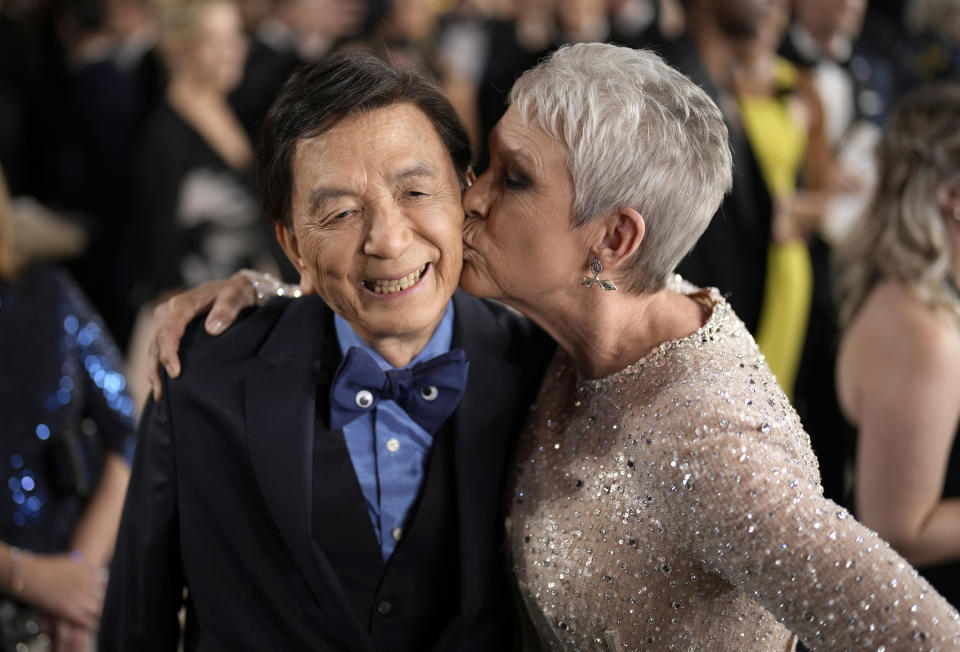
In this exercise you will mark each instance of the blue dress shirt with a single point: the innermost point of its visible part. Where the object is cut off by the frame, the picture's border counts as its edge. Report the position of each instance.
(389, 450)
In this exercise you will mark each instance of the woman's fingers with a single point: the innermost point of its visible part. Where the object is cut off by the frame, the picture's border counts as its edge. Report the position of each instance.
(68, 637)
(224, 299)
(64, 588)
(153, 370)
(236, 294)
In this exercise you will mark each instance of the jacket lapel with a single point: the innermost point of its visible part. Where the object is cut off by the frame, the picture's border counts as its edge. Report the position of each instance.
(482, 429)
(281, 408)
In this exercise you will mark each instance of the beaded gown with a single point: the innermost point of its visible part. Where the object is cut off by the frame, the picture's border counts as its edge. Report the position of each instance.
(63, 407)
(676, 505)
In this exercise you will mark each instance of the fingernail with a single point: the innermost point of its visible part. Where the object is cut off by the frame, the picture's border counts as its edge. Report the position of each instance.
(215, 327)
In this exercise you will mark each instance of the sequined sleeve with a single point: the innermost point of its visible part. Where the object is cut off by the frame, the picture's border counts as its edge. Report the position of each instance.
(750, 508)
(107, 406)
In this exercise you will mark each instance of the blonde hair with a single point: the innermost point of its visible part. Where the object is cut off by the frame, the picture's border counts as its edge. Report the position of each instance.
(8, 265)
(902, 236)
(178, 19)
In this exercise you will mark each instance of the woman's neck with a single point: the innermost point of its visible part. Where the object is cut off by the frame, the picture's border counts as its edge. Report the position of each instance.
(606, 331)
(186, 90)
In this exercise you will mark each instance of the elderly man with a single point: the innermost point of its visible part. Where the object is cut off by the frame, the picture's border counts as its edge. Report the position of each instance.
(326, 475)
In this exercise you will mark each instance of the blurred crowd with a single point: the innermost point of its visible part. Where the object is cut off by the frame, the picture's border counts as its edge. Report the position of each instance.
(128, 132)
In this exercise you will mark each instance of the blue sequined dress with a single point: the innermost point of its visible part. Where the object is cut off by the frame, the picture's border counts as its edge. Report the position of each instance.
(63, 406)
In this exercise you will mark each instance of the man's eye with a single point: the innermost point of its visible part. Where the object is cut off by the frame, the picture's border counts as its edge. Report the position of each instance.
(343, 214)
(415, 193)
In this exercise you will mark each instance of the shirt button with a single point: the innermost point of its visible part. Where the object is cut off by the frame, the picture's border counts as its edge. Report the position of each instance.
(384, 607)
(429, 393)
(397, 534)
(393, 445)
(364, 398)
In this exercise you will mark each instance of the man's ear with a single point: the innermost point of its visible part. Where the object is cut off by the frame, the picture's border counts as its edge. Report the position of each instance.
(621, 238)
(291, 247)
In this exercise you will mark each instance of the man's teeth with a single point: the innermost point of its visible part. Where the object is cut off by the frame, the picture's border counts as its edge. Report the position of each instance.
(396, 285)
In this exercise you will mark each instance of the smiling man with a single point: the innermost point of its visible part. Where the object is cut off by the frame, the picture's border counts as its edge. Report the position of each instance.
(326, 475)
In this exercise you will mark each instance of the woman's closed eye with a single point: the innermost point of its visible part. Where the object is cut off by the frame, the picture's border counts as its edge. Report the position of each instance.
(515, 180)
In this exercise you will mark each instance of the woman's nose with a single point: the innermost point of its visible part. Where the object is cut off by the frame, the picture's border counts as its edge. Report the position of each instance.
(476, 197)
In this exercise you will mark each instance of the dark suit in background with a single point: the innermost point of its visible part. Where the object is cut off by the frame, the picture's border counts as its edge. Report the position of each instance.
(242, 494)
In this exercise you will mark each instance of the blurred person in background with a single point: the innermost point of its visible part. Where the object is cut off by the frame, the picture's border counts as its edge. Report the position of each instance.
(199, 216)
(853, 74)
(516, 43)
(281, 35)
(407, 34)
(898, 372)
(783, 120)
(100, 110)
(734, 252)
(932, 50)
(820, 39)
(66, 442)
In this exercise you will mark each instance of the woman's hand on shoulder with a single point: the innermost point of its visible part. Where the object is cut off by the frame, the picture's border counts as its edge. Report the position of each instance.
(224, 299)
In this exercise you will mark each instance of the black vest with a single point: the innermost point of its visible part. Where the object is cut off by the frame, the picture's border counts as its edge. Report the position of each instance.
(407, 603)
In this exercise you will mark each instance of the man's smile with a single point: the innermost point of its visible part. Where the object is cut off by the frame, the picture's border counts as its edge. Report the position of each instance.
(392, 286)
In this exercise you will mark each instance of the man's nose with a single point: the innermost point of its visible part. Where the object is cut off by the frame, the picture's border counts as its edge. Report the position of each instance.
(389, 232)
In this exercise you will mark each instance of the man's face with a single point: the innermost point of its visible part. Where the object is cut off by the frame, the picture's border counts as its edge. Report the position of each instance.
(827, 19)
(377, 222)
(741, 18)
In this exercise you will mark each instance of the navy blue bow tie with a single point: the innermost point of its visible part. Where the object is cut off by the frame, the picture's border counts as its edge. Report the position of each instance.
(428, 392)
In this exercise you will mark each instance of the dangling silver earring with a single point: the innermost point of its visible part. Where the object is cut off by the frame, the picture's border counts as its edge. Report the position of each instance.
(597, 268)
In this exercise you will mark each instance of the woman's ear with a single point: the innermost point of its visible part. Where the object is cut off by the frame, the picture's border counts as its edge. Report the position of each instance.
(622, 237)
(291, 247)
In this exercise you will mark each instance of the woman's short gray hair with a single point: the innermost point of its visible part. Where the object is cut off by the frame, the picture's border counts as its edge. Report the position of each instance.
(639, 135)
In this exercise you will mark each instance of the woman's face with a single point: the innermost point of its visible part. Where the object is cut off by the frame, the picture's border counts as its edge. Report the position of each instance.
(217, 48)
(519, 246)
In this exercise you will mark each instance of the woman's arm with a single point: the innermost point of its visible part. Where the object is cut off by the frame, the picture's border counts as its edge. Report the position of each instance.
(71, 586)
(749, 510)
(62, 585)
(906, 380)
(224, 299)
(95, 533)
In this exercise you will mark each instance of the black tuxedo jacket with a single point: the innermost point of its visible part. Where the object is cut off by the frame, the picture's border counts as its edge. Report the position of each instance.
(220, 497)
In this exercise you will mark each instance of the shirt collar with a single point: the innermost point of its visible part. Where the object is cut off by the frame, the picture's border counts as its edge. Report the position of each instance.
(439, 343)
